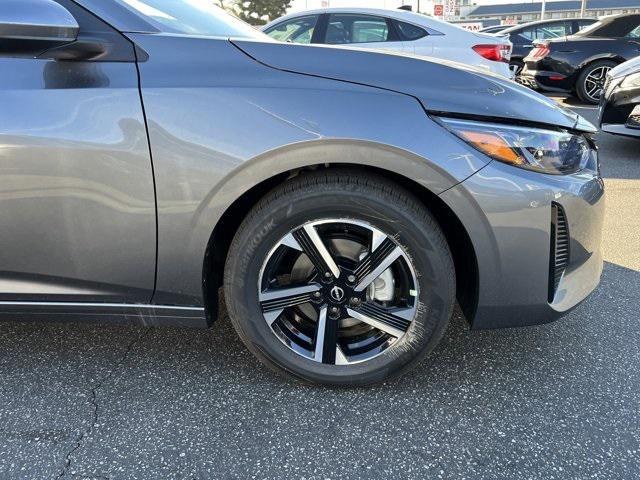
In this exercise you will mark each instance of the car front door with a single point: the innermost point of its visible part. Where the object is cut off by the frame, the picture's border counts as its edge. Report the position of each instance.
(362, 31)
(77, 205)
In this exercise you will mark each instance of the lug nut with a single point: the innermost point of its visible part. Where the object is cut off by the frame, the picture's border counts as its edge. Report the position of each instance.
(351, 278)
(327, 275)
(355, 301)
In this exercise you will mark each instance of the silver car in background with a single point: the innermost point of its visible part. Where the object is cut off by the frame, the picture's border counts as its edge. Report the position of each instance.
(155, 152)
(396, 31)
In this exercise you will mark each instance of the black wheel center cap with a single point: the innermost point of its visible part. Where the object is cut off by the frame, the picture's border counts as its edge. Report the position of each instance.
(341, 290)
(337, 294)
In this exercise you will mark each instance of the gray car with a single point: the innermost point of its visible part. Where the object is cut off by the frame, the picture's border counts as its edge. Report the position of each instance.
(155, 152)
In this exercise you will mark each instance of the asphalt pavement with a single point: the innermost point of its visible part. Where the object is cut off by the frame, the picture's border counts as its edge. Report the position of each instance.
(560, 401)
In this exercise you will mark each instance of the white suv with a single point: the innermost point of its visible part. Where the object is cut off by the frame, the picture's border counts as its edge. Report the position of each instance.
(396, 30)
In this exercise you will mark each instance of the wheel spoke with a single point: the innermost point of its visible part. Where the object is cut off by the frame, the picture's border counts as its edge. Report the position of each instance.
(395, 321)
(325, 318)
(273, 302)
(595, 81)
(341, 358)
(313, 246)
(326, 339)
(372, 266)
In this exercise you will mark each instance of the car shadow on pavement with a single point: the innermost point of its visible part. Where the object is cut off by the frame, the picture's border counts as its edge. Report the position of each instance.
(461, 352)
(169, 403)
(625, 151)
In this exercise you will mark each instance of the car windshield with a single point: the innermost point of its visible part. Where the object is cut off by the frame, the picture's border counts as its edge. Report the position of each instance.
(612, 27)
(191, 17)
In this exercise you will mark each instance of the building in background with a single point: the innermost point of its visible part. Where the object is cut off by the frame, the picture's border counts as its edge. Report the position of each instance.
(514, 13)
(426, 6)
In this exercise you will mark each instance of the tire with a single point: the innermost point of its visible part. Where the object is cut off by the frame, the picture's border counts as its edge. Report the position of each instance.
(517, 66)
(584, 84)
(351, 203)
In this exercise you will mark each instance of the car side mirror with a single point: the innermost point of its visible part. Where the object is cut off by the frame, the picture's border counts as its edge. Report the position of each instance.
(30, 27)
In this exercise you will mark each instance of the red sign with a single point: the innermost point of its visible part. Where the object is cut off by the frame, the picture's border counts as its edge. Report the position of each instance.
(438, 10)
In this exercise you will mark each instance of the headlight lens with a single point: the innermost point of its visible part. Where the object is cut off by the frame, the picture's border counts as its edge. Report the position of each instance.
(547, 151)
(631, 81)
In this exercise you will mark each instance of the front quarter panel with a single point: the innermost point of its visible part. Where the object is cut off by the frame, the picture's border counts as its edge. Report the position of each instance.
(507, 212)
(220, 123)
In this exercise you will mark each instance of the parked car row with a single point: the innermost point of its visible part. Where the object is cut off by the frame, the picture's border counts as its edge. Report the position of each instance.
(562, 55)
(579, 63)
(523, 36)
(598, 61)
(395, 30)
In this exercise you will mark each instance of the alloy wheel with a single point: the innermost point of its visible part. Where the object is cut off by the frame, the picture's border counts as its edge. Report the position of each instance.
(594, 82)
(338, 291)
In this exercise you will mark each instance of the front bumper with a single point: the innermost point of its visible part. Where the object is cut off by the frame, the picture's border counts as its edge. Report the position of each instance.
(619, 111)
(508, 213)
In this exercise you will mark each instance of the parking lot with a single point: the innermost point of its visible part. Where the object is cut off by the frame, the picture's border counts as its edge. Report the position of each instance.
(556, 401)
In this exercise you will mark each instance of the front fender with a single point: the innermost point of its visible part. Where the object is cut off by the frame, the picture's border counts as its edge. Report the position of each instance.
(221, 123)
(318, 153)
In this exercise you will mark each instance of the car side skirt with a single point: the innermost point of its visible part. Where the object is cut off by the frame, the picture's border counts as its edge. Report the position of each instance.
(117, 313)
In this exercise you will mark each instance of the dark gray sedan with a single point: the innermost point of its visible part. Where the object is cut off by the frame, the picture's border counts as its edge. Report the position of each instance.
(153, 152)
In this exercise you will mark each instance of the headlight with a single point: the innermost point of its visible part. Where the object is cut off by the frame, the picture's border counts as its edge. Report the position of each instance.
(631, 81)
(547, 151)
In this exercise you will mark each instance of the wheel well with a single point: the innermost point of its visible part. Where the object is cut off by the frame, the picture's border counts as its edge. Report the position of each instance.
(462, 250)
(615, 59)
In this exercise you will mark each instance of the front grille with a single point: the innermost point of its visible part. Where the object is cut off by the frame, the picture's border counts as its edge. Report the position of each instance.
(560, 254)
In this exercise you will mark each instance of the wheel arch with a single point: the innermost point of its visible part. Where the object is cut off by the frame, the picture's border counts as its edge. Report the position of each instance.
(460, 243)
(596, 58)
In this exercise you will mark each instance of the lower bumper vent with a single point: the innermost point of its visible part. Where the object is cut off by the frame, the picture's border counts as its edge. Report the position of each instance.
(560, 254)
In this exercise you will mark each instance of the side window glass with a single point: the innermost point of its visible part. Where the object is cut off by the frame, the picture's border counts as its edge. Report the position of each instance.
(410, 32)
(635, 33)
(551, 31)
(528, 34)
(350, 28)
(582, 25)
(519, 39)
(297, 30)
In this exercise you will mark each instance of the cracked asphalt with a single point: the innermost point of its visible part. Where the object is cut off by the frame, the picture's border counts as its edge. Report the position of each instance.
(559, 401)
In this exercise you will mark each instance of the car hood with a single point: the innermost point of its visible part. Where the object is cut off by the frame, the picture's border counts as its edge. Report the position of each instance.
(441, 86)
